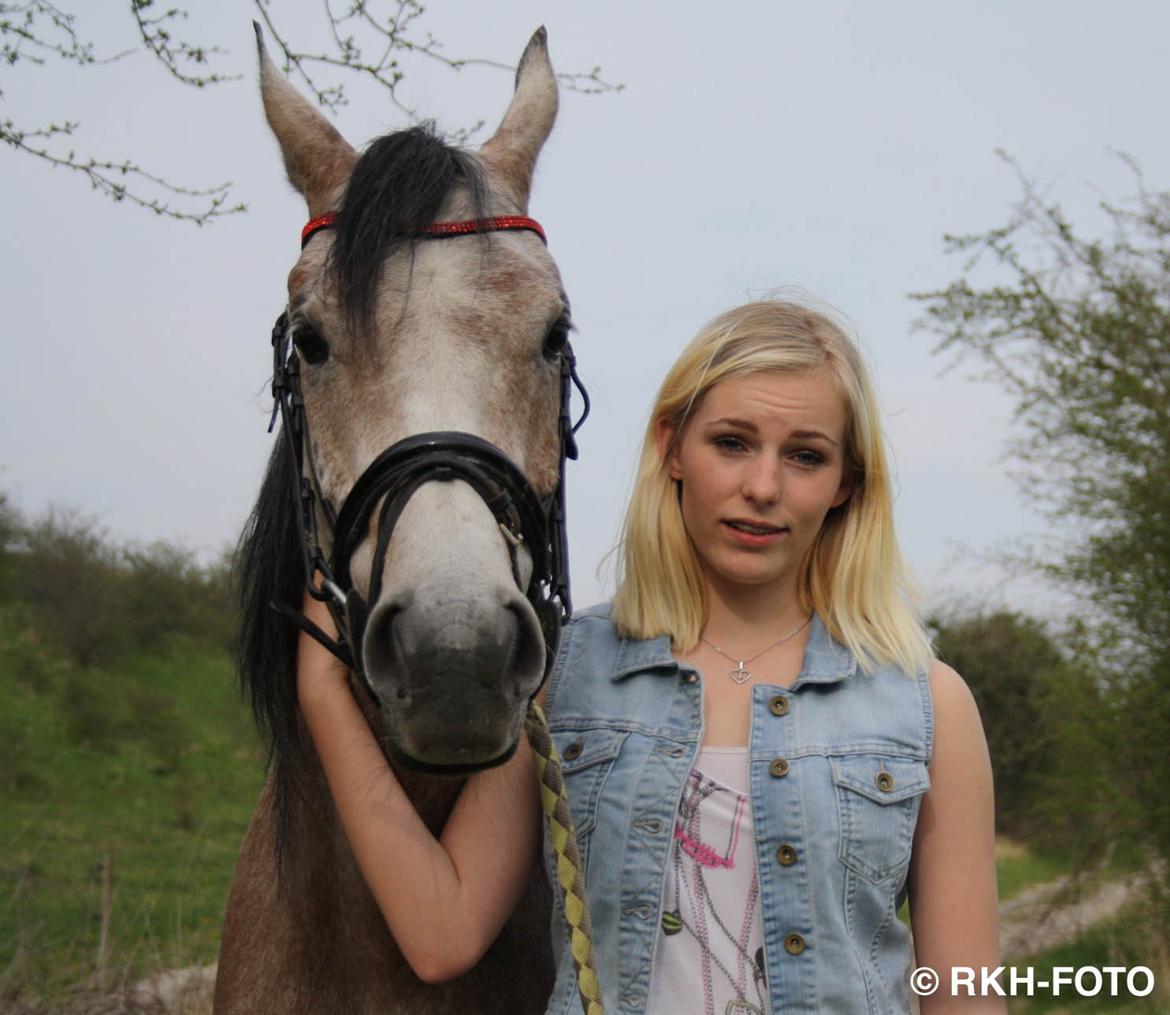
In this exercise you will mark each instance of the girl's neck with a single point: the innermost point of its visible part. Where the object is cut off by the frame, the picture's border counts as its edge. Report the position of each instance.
(743, 619)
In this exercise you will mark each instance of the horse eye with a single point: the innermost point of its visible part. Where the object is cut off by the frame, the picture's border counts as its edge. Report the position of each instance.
(312, 347)
(554, 341)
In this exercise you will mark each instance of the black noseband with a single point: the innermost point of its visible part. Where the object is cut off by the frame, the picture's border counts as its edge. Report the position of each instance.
(444, 456)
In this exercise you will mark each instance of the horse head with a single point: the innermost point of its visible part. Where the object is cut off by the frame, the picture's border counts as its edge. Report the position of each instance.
(398, 332)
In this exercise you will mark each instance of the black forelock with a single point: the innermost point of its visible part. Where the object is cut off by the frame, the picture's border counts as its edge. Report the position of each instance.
(396, 188)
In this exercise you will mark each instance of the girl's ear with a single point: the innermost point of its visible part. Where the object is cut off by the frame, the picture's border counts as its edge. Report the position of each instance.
(844, 492)
(664, 432)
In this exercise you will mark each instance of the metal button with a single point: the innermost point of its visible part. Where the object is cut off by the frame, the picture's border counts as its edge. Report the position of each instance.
(778, 768)
(794, 944)
(779, 705)
(691, 677)
(573, 751)
(786, 855)
(885, 781)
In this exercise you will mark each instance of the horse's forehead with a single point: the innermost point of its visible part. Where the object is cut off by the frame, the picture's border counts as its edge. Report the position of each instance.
(511, 274)
(505, 273)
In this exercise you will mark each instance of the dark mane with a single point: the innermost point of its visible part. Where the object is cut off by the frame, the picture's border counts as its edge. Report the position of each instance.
(396, 188)
(269, 568)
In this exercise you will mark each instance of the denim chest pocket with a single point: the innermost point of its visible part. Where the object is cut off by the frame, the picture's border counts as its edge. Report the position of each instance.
(587, 756)
(877, 803)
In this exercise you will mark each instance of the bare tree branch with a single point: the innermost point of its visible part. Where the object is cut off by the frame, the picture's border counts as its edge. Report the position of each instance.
(365, 39)
(171, 51)
(35, 32)
(122, 181)
(387, 39)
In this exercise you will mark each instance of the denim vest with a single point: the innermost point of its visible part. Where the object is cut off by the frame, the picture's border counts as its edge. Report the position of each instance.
(837, 769)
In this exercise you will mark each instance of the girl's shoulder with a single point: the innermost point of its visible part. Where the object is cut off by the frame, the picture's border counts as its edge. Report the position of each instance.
(595, 662)
(590, 630)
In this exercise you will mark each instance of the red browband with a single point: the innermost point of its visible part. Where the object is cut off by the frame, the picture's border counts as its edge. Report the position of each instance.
(440, 229)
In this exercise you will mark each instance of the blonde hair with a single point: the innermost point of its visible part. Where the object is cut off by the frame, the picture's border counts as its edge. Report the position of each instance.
(853, 576)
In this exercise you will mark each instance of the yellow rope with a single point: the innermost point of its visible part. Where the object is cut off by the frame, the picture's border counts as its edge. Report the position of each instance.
(555, 802)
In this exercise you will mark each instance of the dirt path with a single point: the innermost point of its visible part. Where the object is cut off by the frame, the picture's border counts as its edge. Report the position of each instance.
(1056, 913)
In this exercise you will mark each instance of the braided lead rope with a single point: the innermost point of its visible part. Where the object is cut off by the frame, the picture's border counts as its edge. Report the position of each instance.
(555, 802)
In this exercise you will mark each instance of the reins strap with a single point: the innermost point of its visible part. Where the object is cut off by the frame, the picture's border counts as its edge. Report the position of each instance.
(337, 648)
(555, 803)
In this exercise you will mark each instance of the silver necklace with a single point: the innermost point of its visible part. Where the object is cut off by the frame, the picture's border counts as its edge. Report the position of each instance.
(741, 674)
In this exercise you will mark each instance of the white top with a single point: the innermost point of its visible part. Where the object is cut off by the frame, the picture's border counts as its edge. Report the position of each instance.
(709, 957)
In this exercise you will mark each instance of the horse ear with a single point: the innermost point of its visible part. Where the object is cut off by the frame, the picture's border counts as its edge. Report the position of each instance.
(512, 150)
(317, 158)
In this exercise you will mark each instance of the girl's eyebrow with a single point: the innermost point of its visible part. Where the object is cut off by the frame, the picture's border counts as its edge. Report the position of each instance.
(739, 424)
(813, 434)
(750, 427)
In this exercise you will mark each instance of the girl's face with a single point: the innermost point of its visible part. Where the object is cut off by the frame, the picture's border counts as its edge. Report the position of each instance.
(761, 462)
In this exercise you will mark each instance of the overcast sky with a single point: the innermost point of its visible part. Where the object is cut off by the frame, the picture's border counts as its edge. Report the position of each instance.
(756, 145)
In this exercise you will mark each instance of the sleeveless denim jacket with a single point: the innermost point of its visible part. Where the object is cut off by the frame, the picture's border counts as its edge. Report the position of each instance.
(837, 769)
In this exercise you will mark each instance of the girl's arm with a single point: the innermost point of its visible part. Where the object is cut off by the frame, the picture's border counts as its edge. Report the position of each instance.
(443, 899)
(953, 897)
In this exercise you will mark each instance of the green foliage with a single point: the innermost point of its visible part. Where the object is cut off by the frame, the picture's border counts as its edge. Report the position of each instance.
(1078, 330)
(69, 578)
(168, 594)
(1011, 665)
(97, 601)
(1080, 335)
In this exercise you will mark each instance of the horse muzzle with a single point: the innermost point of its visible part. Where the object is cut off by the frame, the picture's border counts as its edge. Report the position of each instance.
(453, 676)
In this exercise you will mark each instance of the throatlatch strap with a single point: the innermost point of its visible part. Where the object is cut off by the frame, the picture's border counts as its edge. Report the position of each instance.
(555, 802)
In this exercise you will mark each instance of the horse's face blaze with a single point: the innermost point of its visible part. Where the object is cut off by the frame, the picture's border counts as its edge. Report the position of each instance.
(455, 341)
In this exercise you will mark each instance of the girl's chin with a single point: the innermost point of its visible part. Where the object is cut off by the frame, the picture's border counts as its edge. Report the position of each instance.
(735, 573)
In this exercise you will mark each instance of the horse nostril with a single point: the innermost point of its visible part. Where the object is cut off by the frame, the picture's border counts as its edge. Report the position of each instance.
(527, 661)
(381, 647)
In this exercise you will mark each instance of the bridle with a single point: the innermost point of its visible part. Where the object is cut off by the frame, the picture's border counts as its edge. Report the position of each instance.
(524, 518)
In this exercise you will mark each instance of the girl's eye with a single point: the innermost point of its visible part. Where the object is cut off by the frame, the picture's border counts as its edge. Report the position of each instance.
(312, 347)
(808, 458)
(729, 443)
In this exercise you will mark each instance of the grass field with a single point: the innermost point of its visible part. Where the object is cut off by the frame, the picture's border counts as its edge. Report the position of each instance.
(1018, 867)
(151, 767)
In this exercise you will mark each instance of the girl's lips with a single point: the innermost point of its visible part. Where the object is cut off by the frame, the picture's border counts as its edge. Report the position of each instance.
(753, 538)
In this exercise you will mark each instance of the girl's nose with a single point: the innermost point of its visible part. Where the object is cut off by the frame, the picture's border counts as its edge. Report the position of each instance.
(762, 481)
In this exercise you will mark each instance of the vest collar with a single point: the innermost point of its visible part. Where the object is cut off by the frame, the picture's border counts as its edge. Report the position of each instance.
(825, 661)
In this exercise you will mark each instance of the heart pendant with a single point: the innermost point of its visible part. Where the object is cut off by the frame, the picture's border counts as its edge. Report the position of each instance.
(740, 675)
(671, 923)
